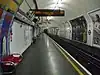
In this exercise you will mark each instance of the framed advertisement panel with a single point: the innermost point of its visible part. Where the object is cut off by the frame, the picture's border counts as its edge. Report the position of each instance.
(95, 18)
(79, 29)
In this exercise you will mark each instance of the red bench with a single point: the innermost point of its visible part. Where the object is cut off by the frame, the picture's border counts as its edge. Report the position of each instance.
(9, 63)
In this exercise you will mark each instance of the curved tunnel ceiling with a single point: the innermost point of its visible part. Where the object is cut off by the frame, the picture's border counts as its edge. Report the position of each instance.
(54, 4)
(73, 8)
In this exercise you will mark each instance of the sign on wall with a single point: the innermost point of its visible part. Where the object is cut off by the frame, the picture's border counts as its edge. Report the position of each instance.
(95, 17)
(8, 9)
(79, 29)
(5, 32)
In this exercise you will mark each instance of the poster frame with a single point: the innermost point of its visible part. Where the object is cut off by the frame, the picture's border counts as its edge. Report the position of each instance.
(88, 13)
(72, 30)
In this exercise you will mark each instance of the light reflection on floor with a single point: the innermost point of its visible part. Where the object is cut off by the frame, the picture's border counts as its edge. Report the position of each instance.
(51, 57)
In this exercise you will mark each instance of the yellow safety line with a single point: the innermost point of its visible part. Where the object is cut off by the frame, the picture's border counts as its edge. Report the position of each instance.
(75, 67)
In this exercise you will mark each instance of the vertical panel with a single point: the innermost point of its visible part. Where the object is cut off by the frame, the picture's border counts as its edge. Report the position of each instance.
(95, 17)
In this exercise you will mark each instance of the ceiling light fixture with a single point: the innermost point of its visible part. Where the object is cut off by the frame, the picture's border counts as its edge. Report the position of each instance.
(50, 17)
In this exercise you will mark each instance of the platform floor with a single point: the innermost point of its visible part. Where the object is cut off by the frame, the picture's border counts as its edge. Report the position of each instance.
(44, 58)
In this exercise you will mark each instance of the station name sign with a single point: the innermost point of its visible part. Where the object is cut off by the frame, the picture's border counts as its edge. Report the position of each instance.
(48, 12)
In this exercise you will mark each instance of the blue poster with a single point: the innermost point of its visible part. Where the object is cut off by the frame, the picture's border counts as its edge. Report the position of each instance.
(5, 30)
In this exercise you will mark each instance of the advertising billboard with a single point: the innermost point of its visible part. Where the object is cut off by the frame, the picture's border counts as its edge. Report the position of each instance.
(95, 17)
(79, 29)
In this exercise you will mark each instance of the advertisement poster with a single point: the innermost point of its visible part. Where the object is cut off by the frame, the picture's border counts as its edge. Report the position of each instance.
(5, 41)
(1, 21)
(79, 29)
(95, 17)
